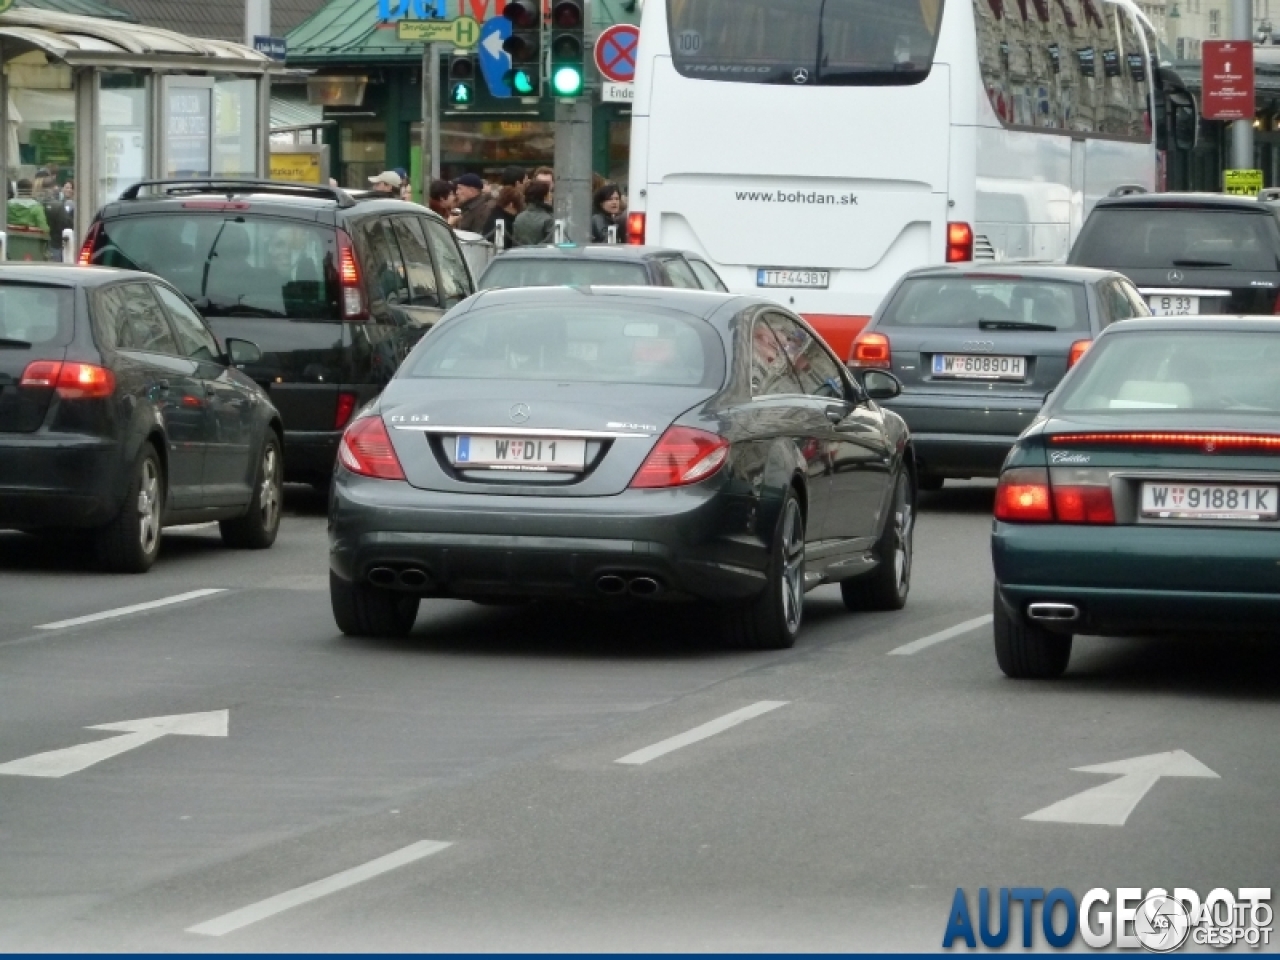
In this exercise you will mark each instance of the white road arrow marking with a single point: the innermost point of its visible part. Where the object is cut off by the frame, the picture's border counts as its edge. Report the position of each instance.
(1110, 804)
(493, 44)
(59, 763)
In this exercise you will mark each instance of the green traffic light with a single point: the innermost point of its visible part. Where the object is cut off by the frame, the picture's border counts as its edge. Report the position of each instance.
(567, 81)
(522, 83)
(460, 93)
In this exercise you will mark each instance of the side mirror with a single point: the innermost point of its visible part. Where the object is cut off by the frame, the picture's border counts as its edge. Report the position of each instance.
(880, 384)
(241, 353)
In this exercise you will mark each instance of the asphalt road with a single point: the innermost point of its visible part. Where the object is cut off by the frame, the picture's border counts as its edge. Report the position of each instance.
(461, 790)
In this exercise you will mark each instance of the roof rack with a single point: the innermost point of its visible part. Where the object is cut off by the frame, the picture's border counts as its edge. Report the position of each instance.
(235, 186)
(1270, 194)
(1127, 190)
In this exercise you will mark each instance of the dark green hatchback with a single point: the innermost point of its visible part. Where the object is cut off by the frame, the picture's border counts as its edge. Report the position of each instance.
(1145, 498)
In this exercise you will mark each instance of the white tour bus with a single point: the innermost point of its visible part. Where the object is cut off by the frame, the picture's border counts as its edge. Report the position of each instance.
(820, 148)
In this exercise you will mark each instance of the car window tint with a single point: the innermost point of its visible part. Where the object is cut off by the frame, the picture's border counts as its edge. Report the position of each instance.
(681, 275)
(417, 262)
(242, 266)
(707, 277)
(1183, 371)
(384, 270)
(1162, 239)
(771, 373)
(454, 276)
(1140, 306)
(194, 339)
(1115, 304)
(966, 302)
(818, 373)
(507, 271)
(129, 317)
(36, 314)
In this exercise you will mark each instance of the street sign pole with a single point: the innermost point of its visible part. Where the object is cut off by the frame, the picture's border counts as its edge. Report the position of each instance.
(573, 151)
(429, 142)
(1242, 130)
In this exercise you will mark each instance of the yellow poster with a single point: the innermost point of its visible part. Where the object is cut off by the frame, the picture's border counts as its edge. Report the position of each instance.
(1246, 183)
(296, 167)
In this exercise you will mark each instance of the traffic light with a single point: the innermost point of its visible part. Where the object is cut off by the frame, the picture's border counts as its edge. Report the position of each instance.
(462, 79)
(568, 48)
(525, 47)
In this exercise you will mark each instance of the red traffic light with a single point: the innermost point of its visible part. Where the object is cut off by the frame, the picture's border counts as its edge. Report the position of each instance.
(567, 14)
(522, 13)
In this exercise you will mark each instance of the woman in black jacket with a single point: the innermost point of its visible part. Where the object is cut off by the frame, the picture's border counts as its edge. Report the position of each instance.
(606, 212)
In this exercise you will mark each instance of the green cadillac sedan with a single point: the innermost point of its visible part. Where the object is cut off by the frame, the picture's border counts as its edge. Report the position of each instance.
(1143, 499)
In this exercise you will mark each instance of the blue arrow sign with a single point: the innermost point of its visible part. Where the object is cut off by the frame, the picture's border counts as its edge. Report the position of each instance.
(494, 61)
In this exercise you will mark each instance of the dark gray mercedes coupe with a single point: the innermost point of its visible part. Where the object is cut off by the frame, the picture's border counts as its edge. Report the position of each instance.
(623, 445)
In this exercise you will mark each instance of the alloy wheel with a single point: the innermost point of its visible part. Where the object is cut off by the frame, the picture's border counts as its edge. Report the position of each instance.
(793, 566)
(904, 520)
(149, 506)
(269, 494)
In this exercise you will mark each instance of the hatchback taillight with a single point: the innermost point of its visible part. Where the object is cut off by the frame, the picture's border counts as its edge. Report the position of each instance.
(354, 309)
(366, 449)
(90, 241)
(73, 381)
(346, 407)
(683, 455)
(872, 350)
(1078, 350)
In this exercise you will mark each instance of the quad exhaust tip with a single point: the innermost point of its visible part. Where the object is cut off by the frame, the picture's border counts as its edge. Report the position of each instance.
(1054, 612)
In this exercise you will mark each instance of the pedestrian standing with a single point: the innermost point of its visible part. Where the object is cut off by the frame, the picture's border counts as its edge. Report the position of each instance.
(473, 202)
(442, 200)
(535, 225)
(387, 184)
(606, 212)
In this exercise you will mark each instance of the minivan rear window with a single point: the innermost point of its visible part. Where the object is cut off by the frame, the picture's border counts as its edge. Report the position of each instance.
(36, 314)
(977, 303)
(595, 344)
(556, 273)
(1161, 239)
(231, 266)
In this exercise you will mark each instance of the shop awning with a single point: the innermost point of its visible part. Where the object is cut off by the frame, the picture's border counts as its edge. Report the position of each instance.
(83, 8)
(290, 114)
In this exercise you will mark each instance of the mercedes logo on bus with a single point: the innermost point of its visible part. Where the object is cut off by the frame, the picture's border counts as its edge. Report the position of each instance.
(800, 75)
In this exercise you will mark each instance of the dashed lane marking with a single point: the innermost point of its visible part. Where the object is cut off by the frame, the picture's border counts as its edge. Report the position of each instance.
(236, 919)
(960, 629)
(718, 725)
(134, 608)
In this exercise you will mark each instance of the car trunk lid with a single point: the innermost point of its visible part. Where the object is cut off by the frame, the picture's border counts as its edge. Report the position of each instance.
(36, 323)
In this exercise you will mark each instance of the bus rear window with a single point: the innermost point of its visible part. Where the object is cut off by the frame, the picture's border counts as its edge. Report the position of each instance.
(823, 42)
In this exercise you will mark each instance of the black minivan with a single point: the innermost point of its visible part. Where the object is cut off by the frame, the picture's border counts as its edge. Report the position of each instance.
(334, 289)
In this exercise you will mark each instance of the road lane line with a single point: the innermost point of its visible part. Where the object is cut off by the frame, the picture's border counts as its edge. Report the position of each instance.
(230, 922)
(135, 608)
(935, 638)
(701, 733)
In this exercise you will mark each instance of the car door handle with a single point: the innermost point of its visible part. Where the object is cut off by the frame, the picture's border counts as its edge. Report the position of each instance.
(162, 386)
(209, 390)
(836, 414)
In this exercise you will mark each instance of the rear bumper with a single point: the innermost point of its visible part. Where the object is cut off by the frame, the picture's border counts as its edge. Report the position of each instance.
(58, 480)
(960, 454)
(1136, 580)
(964, 436)
(499, 546)
(310, 455)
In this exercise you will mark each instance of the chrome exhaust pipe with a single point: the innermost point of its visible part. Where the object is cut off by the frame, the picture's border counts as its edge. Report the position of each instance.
(611, 585)
(413, 578)
(1054, 612)
(645, 587)
(382, 577)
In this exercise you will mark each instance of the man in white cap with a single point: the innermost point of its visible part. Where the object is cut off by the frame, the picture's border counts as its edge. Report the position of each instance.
(387, 182)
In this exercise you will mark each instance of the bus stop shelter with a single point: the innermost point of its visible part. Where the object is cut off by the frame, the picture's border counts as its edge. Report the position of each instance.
(90, 106)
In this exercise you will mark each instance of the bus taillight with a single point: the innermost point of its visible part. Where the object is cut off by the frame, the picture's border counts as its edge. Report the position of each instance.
(635, 228)
(959, 243)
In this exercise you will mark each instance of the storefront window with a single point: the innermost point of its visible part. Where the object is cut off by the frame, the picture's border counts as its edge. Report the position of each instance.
(123, 109)
(486, 146)
(41, 156)
(235, 102)
(364, 152)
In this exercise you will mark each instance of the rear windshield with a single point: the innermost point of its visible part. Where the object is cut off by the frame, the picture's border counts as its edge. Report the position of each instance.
(556, 273)
(231, 266)
(36, 315)
(805, 42)
(581, 344)
(981, 303)
(1191, 372)
(1163, 239)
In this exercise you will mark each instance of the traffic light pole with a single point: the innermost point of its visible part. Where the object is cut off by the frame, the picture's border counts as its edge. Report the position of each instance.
(573, 148)
(1242, 130)
(430, 139)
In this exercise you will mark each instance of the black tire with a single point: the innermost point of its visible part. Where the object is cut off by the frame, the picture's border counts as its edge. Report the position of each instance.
(361, 610)
(257, 529)
(772, 621)
(887, 586)
(131, 542)
(1025, 651)
(931, 484)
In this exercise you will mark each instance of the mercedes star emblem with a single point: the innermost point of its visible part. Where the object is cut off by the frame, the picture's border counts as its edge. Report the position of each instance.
(1175, 276)
(519, 412)
(800, 75)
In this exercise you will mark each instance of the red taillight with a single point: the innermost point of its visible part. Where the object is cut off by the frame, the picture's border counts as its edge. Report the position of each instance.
(1276, 307)
(1205, 442)
(353, 305)
(959, 243)
(366, 449)
(1078, 350)
(839, 330)
(872, 350)
(1083, 504)
(1022, 496)
(683, 455)
(73, 381)
(346, 407)
(635, 228)
(90, 241)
